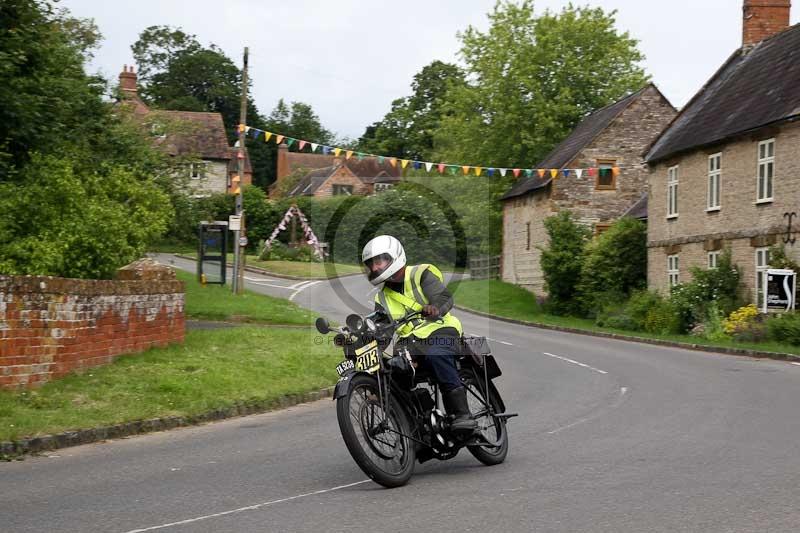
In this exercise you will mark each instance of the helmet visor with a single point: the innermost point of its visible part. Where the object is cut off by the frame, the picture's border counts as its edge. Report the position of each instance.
(375, 266)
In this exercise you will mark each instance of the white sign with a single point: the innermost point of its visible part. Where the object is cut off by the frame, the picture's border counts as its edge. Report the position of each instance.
(779, 290)
(242, 241)
(235, 222)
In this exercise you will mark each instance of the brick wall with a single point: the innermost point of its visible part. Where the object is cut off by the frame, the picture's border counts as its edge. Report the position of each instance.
(342, 176)
(764, 18)
(740, 223)
(52, 326)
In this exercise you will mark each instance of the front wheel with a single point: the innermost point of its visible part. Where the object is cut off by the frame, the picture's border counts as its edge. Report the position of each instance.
(490, 428)
(378, 441)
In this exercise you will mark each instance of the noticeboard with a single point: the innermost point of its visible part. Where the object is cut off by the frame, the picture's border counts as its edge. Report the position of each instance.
(780, 291)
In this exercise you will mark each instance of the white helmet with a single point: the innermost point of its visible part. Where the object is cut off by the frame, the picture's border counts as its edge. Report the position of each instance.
(388, 246)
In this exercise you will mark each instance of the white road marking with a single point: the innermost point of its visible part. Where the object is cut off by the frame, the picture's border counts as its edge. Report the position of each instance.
(300, 283)
(248, 508)
(798, 364)
(622, 393)
(296, 292)
(258, 281)
(575, 362)
(491, 339)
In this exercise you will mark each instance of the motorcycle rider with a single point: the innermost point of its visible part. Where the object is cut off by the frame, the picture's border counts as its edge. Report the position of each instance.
(436, 340)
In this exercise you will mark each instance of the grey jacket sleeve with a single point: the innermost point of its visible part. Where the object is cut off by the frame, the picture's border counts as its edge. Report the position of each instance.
(436, 292)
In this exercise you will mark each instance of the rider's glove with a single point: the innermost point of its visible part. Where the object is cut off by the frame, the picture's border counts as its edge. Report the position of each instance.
(430, 311)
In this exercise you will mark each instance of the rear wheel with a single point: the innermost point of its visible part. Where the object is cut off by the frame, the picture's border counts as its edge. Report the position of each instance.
(490, 428)
(377, 440)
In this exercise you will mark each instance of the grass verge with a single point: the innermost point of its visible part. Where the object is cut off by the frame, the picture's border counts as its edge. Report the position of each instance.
(510, 301)
(304, 270)
(212, 369)
(215, 302)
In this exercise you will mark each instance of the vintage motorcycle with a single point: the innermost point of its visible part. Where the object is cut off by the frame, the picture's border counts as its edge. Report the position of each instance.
(389, 410)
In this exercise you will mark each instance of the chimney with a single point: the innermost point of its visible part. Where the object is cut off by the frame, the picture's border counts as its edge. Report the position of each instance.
(764, 18)
(283, 162)
(127, 83)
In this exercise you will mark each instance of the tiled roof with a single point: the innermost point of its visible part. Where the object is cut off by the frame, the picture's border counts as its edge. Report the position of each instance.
(200, 134)
(308, 161)
(638, 210)
(566, 150)
(368, 170)
(756, 87)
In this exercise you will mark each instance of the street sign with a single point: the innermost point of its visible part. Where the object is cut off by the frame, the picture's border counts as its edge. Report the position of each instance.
(235, 222)
(242, 241)
(781, 287)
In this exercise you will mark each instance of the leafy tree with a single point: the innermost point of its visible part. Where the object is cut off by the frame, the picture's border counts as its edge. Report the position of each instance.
(48, 101)
(562, 261)
(531, 79)
(407, 130)
(615, 263)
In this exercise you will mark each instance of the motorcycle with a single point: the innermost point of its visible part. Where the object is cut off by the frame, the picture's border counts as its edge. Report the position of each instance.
(389, 410)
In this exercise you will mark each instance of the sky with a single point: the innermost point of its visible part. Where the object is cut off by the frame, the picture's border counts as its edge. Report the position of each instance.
(349, 59)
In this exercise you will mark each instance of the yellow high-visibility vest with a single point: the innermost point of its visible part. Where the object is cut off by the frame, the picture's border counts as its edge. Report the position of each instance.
(413, 299)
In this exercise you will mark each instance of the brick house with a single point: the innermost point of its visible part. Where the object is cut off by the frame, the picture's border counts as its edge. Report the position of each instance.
(333, 176)
(198, 137)
(727, 170)
(614, 136)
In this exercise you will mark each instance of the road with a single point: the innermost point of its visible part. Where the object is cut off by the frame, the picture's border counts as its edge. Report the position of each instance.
(612, 437)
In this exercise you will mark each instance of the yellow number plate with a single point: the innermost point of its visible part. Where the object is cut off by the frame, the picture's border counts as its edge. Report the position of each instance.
(367, 358)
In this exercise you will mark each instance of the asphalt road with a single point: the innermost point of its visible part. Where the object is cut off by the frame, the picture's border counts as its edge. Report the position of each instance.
(612, 437)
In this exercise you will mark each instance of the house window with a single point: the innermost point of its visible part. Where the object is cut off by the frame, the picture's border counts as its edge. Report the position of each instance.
(339, 190)
(380, 187)
(713, 259)
(672, 269)
(197, 170)
(599, 229)
(714, 174)
(762, 264)
(528, 230)
(672, 192)
(605, 174)
(766, 169)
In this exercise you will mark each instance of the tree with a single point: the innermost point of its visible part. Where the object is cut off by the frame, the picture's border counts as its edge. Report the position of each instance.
(531, 80)
(407, 130)
(561, 262)
(47, 100)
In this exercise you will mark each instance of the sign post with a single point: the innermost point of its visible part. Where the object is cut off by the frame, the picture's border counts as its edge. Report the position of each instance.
(780, 289)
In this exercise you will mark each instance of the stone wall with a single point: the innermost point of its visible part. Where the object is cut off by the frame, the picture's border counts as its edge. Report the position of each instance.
(741, 222)
(51, 326)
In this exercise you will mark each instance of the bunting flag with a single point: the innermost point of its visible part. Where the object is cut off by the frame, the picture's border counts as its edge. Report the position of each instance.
(417, 165)
(308, 233)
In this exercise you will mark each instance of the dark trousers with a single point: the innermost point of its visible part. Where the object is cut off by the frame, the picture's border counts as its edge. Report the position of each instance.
(438, 356)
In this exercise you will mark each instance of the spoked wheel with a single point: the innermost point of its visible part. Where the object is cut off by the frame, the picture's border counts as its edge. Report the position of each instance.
(490, 428)
(376, 439)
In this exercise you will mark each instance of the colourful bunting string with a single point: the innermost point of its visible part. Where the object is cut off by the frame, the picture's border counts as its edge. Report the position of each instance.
(415, 164)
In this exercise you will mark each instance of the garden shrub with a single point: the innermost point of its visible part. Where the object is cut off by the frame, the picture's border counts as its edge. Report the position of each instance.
(785, 328)
(713, 328)
(663, 318)
(561, 262)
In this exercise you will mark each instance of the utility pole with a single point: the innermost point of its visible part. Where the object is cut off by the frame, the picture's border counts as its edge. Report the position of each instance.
(240, 236)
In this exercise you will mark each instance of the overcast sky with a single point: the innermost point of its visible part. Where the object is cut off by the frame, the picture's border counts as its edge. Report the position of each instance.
(350, 58)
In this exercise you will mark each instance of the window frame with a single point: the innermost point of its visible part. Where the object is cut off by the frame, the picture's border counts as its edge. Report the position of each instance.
(528, 230)
(340, 187)
(713, 259)
(714, 178)
(382, 187)
(601, 165)
(600, 228)
(198, 168)
(673, 269)
(765, 162)
(673, 178)
(760, 269)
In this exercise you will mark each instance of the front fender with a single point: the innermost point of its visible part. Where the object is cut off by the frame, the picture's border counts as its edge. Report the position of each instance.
(345, 383)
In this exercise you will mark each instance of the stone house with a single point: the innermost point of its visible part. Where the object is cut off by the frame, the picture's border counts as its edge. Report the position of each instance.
(611, 141)
(726, 173)
(199, 138)
(334, 176)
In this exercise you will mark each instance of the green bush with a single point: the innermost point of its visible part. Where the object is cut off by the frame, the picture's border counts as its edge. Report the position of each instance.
(713, 329)
(615, 262)
(663, 319)
(785, 328)
(562, 261)
(632, 314)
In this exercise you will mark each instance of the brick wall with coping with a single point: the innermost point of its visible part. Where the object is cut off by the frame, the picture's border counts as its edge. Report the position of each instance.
(52, 326)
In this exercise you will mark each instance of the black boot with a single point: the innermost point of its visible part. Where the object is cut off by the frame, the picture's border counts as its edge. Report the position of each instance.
(455, 403)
